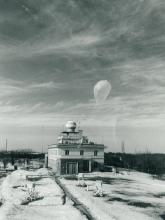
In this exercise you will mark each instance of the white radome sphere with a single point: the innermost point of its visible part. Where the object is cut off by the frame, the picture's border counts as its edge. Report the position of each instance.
(102, 90)
(70, 125)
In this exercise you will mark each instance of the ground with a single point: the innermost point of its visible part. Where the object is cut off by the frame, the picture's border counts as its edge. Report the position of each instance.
(15, 190)
(128, 196)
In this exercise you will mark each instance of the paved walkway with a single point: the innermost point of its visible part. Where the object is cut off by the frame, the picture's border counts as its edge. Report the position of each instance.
(80, 206)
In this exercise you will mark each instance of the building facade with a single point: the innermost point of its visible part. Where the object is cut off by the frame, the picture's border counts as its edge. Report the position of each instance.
(74, 153)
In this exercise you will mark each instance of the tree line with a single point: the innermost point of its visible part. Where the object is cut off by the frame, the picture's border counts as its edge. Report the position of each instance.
(143, 162)
(13, 156)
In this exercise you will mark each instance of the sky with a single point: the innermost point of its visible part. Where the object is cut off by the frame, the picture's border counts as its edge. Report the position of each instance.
(53, 52)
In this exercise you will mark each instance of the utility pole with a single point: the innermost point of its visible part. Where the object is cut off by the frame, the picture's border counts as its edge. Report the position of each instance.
(43, 137)
(123, 147)
(123, 152)
(6, 145)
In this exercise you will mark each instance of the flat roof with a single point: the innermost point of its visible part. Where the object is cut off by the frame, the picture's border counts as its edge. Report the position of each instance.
(76, 146)
(68, 132)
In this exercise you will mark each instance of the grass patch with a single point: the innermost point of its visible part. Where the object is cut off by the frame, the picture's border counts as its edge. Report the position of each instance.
(160, 195)
(118, 199)
(140, 204)
(72, 177)
(27, 201)
(126, 193)
(162, 216)
(34, 178)
(109, 180)
(1, 203)
(105, 180)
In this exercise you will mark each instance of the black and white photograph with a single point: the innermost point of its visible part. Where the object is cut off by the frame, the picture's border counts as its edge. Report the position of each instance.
(82, 109)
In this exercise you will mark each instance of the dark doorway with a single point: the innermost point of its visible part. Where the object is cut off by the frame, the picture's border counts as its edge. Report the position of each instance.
(85, 166)
(72, 168)
(95, 165)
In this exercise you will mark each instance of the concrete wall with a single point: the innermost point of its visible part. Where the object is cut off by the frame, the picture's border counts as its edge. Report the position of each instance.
(88, 153)
(55, 164)
(54, 153)
(57, 159)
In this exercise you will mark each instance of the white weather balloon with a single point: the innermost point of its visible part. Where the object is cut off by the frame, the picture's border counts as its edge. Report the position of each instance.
(102, 90)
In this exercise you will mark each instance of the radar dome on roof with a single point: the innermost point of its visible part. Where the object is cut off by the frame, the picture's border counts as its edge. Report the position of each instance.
(70, 125)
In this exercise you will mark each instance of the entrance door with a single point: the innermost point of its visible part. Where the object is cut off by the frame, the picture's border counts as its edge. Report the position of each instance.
(85, 166)
(72, 168)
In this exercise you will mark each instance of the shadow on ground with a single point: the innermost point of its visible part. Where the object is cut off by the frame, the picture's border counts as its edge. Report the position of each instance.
(106, 180)
(139, 204)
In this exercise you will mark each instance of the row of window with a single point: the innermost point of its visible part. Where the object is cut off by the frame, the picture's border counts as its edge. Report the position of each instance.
(81, 152)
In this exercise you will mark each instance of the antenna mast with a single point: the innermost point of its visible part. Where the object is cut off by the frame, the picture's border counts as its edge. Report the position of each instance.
(6, 145)
(43, 137)
(123, 147)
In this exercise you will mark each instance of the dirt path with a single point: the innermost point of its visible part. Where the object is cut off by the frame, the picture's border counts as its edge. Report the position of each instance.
(80, 206)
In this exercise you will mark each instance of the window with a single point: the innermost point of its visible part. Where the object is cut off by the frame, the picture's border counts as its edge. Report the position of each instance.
(66, 152)
(95, 153)
(81, 152)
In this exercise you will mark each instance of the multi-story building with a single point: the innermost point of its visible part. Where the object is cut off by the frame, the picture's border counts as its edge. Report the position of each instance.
(74, 153)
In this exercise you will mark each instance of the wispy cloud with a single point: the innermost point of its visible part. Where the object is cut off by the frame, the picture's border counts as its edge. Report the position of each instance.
(49, 68)
(46, 85)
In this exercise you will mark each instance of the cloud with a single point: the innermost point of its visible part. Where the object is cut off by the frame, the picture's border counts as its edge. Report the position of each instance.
(136, 98)
(49, 68)
(46, 85)
(10, 87)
